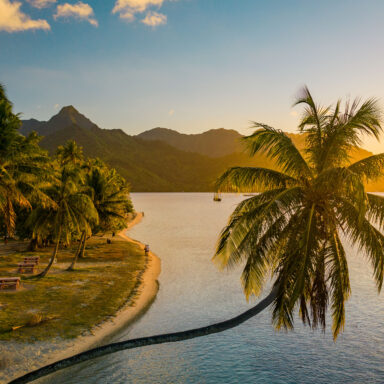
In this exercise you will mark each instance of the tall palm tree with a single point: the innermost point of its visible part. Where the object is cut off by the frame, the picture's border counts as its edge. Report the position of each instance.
(310, 206)
(291, 231)
(110, 195)
(23, 166)
(72, 212)
(70, 154)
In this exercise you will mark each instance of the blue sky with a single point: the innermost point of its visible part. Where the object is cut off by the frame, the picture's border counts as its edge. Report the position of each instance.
(206, 64)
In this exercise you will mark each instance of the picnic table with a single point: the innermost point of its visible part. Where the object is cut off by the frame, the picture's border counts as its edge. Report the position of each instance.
(31, 260)
(9, 283)
(26, 267)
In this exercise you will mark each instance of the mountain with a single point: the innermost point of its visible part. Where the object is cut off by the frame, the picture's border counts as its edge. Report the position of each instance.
(147, 165)
(66, 117)
(149, 162)
(214, 143)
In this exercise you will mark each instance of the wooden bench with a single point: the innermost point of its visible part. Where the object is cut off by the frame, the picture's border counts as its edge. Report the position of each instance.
(9, 283)
(26, 268)
(31, 260)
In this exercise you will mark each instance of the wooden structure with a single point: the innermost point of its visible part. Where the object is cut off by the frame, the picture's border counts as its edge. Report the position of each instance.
(31, 260)
(26, 268)
(9, 283)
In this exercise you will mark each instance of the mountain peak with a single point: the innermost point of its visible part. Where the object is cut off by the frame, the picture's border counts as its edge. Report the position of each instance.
(68, 109)
(68, 116)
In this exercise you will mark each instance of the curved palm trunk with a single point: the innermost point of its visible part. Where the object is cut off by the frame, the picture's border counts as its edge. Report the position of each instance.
(72, 266)
(81, 254)
(53, 257)
(151, 340)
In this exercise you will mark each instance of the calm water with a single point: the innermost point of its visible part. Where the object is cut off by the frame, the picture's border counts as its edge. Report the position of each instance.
(182, 230)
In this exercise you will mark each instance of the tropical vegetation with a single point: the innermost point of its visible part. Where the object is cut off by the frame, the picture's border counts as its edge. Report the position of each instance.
(60, 199)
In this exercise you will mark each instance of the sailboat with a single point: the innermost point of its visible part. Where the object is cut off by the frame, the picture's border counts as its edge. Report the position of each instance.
(216, 196)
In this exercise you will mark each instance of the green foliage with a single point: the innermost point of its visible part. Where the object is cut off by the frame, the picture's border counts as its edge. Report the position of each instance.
(291, 231)
(58, 199)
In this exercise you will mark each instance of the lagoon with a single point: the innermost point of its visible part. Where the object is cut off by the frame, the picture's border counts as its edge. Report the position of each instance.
(182, 229)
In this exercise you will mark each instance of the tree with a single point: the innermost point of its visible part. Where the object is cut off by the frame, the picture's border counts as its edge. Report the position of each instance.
(23, 166)
(109, 193)
(72, 212)
(291, 230)
(70, 154)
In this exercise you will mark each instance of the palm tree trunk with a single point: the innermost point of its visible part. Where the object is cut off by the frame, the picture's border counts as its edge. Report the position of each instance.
(72, 266)
(151, 340)
(53, 257)
(81, 254)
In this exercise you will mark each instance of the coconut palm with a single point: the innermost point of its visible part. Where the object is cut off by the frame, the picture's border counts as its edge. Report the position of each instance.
(72, 212)
(24, 167)
(315, 202)
(294, 230)
(110, 195)
(70, 154)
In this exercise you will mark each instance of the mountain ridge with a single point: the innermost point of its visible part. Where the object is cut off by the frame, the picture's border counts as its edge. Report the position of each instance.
(149, 161)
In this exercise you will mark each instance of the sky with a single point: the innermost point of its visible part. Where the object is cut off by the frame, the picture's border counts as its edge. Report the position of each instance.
(189, 65)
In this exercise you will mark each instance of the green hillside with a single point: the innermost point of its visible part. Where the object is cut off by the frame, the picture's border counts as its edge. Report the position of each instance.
(213, 143)
(151, 164)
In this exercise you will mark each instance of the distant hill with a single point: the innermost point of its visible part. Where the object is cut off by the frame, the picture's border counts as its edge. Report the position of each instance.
(66, 117)
(213, 143)
(158, 160)
(147, 165)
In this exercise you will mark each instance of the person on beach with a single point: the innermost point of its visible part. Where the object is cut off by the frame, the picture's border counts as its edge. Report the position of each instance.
(146, 249)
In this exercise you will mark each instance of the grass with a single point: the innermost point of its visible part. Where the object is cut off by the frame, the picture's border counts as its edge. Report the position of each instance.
(68, 304)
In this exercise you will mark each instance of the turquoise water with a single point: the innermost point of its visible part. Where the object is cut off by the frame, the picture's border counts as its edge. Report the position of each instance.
(182, 230)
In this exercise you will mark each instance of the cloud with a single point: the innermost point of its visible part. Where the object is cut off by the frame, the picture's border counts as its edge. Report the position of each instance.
(127, 9)
(12, 19)
(135, 6)
(56, 106)
(171, 112)
(293, 113)
(41, 3)
(79, 11)
(154, 19)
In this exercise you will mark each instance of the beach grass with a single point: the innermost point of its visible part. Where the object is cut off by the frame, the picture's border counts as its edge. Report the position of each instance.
(68, 304)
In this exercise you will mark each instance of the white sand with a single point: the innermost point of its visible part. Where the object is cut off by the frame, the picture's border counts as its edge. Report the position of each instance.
(23, 357)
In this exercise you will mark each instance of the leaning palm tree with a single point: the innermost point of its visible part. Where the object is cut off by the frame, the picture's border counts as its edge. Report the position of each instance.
(312, 203)
(294, 230)
(73, 211)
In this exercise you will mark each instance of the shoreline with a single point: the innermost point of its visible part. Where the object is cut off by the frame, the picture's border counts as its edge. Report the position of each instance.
(143, 297)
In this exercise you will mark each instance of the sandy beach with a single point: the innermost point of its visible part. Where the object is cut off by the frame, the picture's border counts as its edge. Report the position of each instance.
(27, 357)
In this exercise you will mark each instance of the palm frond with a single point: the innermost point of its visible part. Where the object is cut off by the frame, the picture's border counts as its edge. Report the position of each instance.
(279, 147)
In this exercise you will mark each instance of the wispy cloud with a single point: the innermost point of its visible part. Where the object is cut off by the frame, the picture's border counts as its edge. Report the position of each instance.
(154, 19)
(171, 112)
(41, 3)
(127, 10)
(80, 11)
(293, 113)
(12, 19)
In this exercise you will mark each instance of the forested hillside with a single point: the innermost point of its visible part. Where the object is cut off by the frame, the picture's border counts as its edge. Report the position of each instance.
(160, 159)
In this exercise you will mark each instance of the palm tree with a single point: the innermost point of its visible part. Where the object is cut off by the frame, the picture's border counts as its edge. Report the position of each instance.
(110, 195)
(70, 154)
(291, 231)
(23, 166)
(72, 212)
